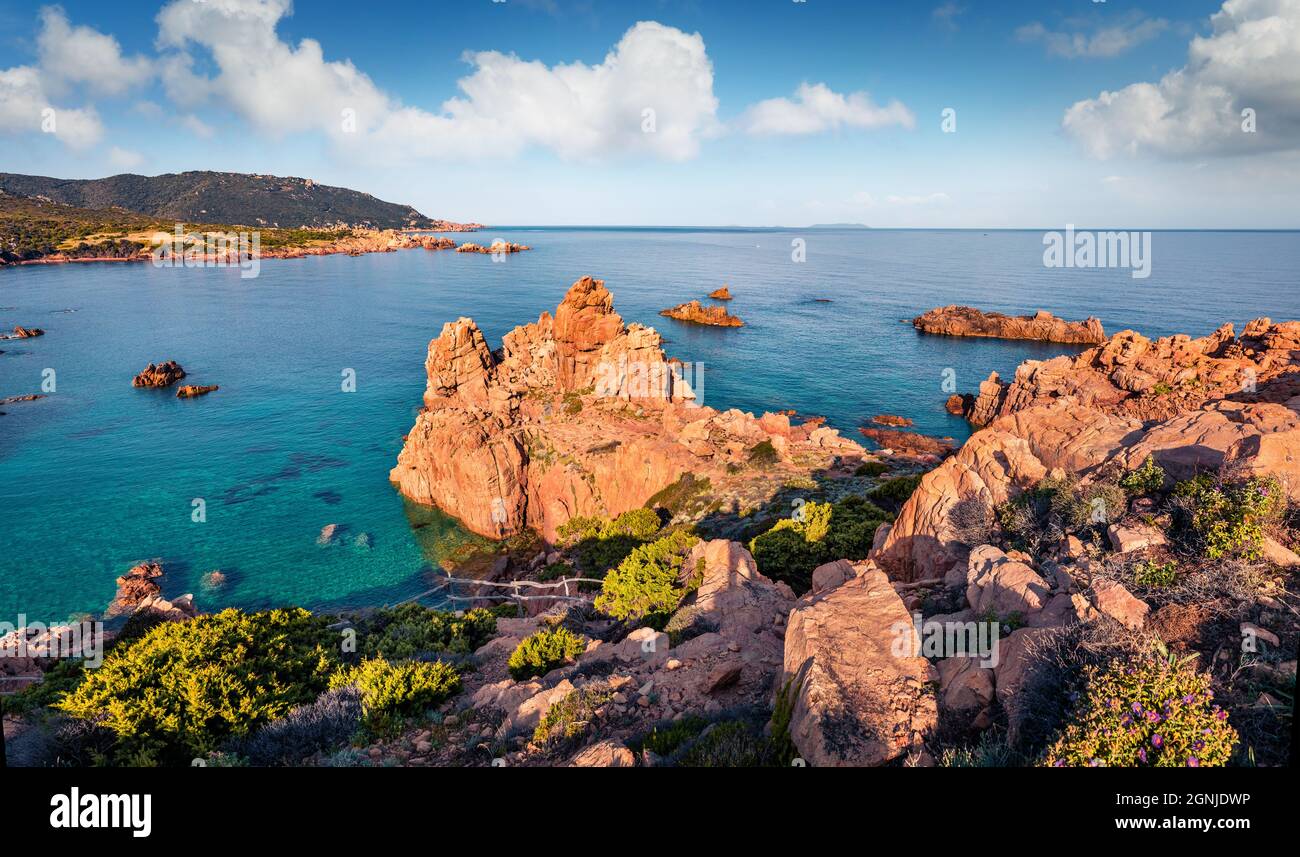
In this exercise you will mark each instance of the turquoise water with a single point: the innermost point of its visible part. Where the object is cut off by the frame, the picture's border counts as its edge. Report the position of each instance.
(101, 475)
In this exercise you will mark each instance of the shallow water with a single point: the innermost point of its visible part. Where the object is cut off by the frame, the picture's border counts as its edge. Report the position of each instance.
(101, 475)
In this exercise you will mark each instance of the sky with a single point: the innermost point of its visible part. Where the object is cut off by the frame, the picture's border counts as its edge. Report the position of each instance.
(925, 113)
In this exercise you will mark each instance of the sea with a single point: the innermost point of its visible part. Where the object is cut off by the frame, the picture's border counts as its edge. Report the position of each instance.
(320, 363)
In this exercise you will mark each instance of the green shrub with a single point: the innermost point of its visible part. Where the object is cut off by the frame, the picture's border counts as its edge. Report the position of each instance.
(569, 718)
(645, 585)
(871, 468)
(824, 532)
(185, 688)
(602, 543)
(409, 630)
(763, 454)
(729, 744)
(683, 495)
(60, 680)
(896, 490)
(544, 651)
(1145, 712)
(391, 692)
(1230, 519)
(665, 738)
(1149, 573)
(1147, 479)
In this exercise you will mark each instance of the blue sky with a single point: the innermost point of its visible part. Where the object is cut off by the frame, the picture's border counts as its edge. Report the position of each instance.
(765, 112)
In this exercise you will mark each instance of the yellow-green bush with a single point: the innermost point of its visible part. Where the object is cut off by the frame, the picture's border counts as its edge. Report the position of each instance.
(645, 584)
(185, 688)
(544, 651)
(602, 543)
(409, 630)
(824, 532)
(391, 692)
(1145, 712)
(1229, 519)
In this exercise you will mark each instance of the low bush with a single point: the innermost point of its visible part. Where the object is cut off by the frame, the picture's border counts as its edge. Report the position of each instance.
(1145, 712)
(186, 688)
(391, 692)
(728, 744)
(646, 584)
(412, 631)
(332, 719)
(1147, 479)
(1230, 519)
(544, 651)
(763, 454)
(897, 490)
(1155, 574)
(822, 532)
(871, 468)
(570, 717)
(602, 543)
(686, 494)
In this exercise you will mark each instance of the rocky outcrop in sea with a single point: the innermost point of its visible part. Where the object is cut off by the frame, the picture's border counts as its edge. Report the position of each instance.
(697, 313)
(1041, 326)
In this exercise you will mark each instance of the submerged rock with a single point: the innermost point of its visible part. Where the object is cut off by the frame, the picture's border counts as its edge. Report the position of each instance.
(1041, 326)
(697, 313)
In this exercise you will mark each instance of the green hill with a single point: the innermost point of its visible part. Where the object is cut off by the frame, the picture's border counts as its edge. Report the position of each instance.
(236, 198)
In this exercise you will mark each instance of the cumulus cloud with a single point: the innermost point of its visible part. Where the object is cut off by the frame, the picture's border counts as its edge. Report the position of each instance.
(1250, 61)
(80, 55)
(818, 108)
(1101, 42)
(652, 93)
(25, 108)
(68, 57)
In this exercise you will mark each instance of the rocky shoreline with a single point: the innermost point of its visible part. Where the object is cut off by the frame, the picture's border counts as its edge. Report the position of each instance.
(714, 588)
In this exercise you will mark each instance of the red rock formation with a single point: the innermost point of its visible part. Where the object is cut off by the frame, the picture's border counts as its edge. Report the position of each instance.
(135, 587)
(1041, 326)
(697, 313)
(1137, 377)
(576, 414)
(159, 375)
(858, 699)
(722, 294)
(21, 332)
(891, 420)
(191, 391)
(496, 247)
(908, 442)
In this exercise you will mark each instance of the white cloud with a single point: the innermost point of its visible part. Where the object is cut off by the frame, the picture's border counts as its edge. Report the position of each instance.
(80, 55)
(946, 15)
(124, 159)
(24, 108)
(819, 109)
(1250, 60)
(507, 103)
(1101, 42)
(196, 126)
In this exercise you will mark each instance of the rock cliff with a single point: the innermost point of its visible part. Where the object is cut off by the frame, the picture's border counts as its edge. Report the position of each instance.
(579, 414)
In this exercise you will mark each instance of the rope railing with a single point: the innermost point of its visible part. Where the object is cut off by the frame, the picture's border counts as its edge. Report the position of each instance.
(513, 585)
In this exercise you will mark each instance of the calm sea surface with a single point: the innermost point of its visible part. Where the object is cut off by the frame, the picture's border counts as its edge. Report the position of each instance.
(100, 475)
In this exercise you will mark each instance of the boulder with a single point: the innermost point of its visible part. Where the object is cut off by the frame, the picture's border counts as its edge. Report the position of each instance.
(1129, 538)
(604, 754)
(1041, 326)
(1112, 599)
(1002, 586)
(857, 700)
